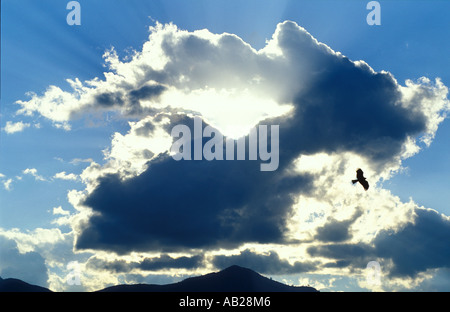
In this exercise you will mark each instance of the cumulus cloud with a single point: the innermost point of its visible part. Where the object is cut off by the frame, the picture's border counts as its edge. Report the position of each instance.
(19, 126)
(195, 210)
(33, 172)
(59, 211)
(335, 230)
(419, 246)
(27, 266)
(77, 161)
(337, 106)
(7, 184)
(219, 74)
(30, 240)
(39, 256)
(334, 114)
(163, 262)
(344, 254)
(65, 218)
(65, 176)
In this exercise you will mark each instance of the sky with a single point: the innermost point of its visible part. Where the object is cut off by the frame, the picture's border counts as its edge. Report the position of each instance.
(91, 194)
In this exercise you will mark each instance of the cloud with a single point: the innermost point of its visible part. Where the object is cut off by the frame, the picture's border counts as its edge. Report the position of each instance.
(337, 106)
(7, 184)
(29, 266)
(344, 254)
(60, 211)
(15, 127)
(438, 282)
(43, 256)
(419, 246)
(65, 176)
(55, 105)
(336, 231)
(163, 262)
(39, 238)
(269, 263)
(219, 74)
(77, 161)
(207, 205)
(33, 172)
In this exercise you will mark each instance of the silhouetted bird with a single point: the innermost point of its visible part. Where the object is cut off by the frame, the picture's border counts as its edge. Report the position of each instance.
(360, 178)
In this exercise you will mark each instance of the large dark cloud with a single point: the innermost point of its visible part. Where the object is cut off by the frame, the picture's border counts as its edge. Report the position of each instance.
(336, 231)
(350, 109)
(352, 255)
(422, 245)
(191, 204)
(165, 261)
(148, 264)
(339, 106)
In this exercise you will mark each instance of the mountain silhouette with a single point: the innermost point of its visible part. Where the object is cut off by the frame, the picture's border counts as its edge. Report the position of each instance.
(16, 285)
(231, 279)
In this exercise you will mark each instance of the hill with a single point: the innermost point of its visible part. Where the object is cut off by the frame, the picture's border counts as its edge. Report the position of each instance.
(232, 279)
(16, 285)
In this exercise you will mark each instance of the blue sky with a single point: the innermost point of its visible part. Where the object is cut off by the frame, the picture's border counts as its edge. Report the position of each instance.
(39, 49)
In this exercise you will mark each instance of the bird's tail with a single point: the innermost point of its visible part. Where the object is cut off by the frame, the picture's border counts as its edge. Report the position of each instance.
(354, 181)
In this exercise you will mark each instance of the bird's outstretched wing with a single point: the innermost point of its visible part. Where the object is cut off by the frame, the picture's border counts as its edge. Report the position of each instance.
(365, 184)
